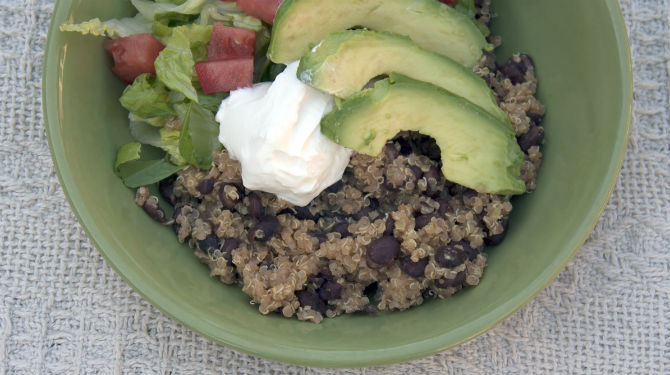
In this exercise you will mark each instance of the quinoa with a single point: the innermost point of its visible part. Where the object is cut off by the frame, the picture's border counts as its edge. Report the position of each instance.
(391, 234)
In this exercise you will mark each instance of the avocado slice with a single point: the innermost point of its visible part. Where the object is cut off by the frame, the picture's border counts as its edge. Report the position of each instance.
(300, 24)
(346, 60)
(477, 150)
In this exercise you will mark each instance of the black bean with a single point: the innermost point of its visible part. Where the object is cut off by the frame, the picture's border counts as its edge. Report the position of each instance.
(423, 220)
(444, 207)
(342, 229)
(330, 290)
(535, 118)
(209, 244)
(229, 244)
(533, 137)
(469, 195)
(205, 186)
(416, 171)
(319, 236)
(414, 269)
(469, 252)
(374, 203)
(452, 255)
(513, 72)
(266, 227)
(527, 62)
(226, 200)
(496, 239)
(451, 283)
(405, 146)
(433, 172)
(390, 152)
(175, 214)
(336, 187)
(325, 272)
(310, 299)
(255, 206)
(155, 212)
(381, 252)
(303, 213)
(433, 190)
(390, 226)
(166, 188)
(363, 212)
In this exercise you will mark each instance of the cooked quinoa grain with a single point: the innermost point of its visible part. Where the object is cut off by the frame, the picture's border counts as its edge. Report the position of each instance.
(392, 233)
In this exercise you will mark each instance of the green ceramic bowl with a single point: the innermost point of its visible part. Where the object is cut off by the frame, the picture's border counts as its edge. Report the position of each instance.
(584, 69)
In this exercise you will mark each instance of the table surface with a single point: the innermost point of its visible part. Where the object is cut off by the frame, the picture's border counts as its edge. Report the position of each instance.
(63, 310)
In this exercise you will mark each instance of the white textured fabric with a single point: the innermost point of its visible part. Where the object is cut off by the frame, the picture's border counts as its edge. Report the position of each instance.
(64, 311)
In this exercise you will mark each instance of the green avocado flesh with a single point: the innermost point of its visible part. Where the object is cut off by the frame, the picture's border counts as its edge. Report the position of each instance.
(300, 24)
(477, 150)
(345, 61)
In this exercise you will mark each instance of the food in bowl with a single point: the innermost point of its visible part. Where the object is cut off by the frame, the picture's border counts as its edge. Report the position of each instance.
(401, 214)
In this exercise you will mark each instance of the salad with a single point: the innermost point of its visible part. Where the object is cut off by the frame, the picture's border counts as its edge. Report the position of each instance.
(328, 156)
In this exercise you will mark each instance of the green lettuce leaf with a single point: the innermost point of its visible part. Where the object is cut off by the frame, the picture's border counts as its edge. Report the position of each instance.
(136, 165)
(148, 9)
(198, 138)
(211, 102)
(114, 28)
(127, 153)
(166, 138)
(144, 133)
(175, 65)
(228, 14)
(147, 97)
(146, 172)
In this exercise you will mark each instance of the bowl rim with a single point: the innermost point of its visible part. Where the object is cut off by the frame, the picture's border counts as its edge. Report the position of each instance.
(340, 359)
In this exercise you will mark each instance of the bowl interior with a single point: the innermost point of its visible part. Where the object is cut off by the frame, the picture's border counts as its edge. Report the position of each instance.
(582, 58)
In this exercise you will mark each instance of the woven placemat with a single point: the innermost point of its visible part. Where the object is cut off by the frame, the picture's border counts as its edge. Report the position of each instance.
(64, 311)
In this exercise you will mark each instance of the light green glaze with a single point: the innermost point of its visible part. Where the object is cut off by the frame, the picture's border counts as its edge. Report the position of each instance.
(585, 79)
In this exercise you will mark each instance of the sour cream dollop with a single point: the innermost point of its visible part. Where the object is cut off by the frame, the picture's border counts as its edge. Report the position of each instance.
(273, 130)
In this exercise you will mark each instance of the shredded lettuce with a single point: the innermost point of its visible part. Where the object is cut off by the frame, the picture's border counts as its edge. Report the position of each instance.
(114, 28)
(170, 144)
(149, 9)
(147, 97)
(175, 65)
(228, 14)
(164, 22)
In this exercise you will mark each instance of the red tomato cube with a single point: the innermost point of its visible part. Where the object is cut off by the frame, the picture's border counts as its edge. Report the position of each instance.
(225, 75)
(450, 2)
(230, 43)
(133, 55)
(263, 9)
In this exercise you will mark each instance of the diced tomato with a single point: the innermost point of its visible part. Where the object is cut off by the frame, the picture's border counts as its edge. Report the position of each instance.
(225, 75)
(230, 43)
(263, 9)
(133, 55)
(450, 2)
